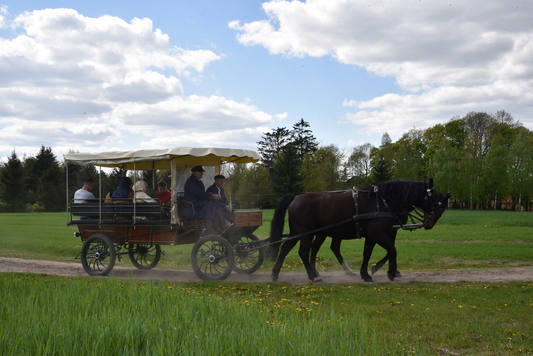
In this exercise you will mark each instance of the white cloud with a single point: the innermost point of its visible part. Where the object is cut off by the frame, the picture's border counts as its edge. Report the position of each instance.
(447, 57)
(205, 114)
(71, 81)
(282, 116)
(191, 137)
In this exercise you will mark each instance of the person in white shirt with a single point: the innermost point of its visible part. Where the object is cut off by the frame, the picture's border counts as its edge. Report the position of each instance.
(84, 194)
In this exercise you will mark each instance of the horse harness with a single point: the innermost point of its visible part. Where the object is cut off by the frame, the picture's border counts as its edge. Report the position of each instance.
(415, 215)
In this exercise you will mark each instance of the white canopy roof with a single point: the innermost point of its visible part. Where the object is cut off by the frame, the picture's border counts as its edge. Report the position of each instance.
(162, 158)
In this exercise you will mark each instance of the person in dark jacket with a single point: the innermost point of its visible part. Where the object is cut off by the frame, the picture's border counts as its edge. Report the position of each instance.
(223, 208)
(123, 192)
(194, 192)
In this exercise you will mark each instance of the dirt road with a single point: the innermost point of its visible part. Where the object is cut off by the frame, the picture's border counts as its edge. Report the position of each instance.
(331, 277)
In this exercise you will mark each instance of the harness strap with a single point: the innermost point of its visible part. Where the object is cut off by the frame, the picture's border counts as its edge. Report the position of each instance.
(355, 195)
(374, 215)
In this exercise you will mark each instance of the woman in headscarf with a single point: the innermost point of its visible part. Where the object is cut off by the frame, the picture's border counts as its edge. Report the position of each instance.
(140, 193)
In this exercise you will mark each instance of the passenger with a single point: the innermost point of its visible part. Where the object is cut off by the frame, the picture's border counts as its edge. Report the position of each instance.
(163, 193)
(84, 195)
(202, 200)
(140, 195)
(123, 192)
(223, 208)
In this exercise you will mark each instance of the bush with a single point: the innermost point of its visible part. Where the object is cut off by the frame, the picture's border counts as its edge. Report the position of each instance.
(36, 208)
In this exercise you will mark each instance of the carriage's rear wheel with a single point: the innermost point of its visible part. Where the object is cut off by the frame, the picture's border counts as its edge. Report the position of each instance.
(212, 258)
(248, 261)
(144, 256)
(98, 255)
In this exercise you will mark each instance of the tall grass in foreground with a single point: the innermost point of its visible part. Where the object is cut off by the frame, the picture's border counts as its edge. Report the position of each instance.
(49, 315)
(45, 315)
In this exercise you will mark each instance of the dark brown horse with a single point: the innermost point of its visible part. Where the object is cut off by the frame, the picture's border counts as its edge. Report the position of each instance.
(373, 213)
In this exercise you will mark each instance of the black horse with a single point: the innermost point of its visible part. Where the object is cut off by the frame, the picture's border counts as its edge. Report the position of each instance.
(373, 213)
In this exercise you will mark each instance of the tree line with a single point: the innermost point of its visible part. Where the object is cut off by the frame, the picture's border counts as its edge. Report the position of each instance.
(484, 160)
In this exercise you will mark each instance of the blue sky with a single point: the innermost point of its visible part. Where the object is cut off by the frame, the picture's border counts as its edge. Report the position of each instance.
(120, 75)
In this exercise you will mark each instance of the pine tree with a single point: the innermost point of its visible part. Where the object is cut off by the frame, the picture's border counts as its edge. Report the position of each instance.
(12, 187)
(287, 175)
(302, 139)
(381, 171)
(271, 146)
(48, 180)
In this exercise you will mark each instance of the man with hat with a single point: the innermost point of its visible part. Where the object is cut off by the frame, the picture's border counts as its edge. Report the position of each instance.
(195, 193)
(223, 208)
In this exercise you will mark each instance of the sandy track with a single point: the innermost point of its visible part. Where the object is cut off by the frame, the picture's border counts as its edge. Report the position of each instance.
(332, 277)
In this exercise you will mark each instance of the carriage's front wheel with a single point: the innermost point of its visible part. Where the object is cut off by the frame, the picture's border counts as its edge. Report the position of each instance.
(248, 261)
(144, 256)
(212, 258)
(98, 255)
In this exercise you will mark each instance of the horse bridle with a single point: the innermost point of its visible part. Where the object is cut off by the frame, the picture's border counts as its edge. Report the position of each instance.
(434, 202)
(418, 216)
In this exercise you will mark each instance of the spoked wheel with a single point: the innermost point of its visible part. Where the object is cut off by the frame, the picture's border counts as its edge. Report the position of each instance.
(247, 261)
(212, 258)
(144, 256)
(98, 255)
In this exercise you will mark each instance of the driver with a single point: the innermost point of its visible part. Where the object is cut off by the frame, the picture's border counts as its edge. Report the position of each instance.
(223, 207)
(194, 192)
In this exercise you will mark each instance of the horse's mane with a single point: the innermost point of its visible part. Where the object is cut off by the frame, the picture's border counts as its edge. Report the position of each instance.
(404, 192)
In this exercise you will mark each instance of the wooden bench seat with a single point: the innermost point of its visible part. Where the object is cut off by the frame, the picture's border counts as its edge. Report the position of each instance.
(117, 213)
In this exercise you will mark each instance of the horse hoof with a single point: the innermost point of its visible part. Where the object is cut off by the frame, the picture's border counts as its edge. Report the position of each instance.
(368, 279)
(317, 280)
(398, 274)
(274, 278)
(391, 276)
(349, 273)
(374, 269)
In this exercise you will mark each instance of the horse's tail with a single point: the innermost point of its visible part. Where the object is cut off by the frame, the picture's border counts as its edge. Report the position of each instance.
(278, 222)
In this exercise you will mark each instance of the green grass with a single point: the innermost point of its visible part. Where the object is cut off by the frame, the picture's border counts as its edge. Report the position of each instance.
(91, 316)
(125, 317)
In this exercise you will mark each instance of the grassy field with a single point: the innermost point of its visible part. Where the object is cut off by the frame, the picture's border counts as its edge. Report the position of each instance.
(48, 315)
(461, 239)
(127, 317)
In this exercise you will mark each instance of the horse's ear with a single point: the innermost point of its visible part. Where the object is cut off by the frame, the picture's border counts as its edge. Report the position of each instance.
(430, 183)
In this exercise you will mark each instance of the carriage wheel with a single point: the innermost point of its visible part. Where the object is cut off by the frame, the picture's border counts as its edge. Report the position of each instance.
(144, 256)
(98, 255)
(212, 258)
(247, 262)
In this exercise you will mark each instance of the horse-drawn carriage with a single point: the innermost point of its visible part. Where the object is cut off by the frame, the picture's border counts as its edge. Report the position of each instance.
(376, 213)
(110, 230)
